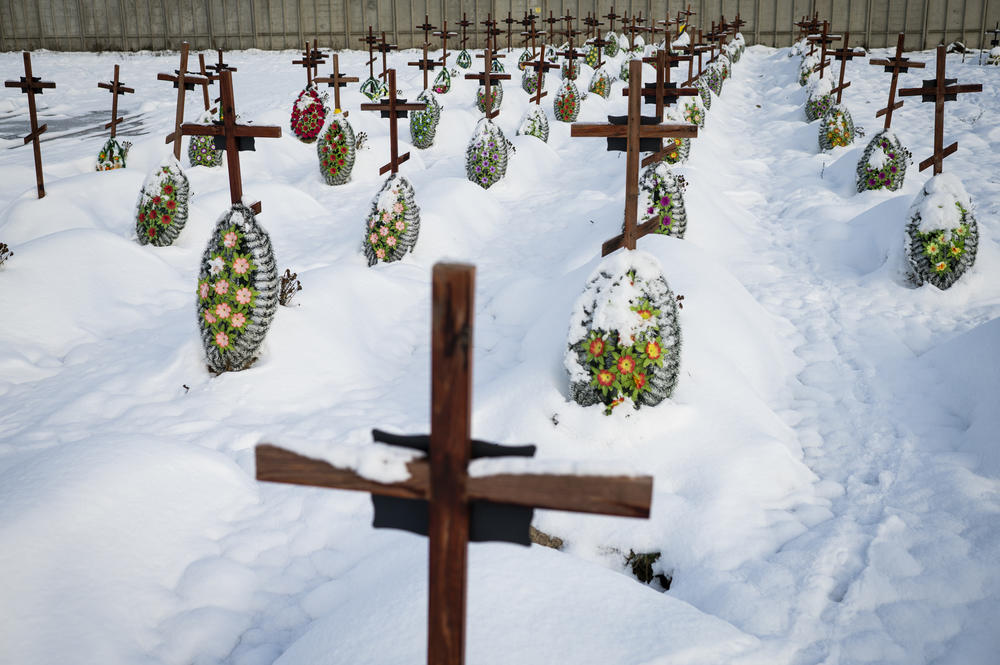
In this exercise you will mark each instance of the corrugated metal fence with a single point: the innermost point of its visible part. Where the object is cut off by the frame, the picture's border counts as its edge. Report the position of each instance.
(100, 25)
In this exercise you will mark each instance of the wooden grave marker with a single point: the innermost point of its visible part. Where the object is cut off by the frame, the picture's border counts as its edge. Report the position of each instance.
(116, 88)
(593, 24)
(896, 65)
(510, 21)
(440, 498)
(220, 66)
(632, 134)
(486, 79)
(384, 47)
(569, 32)
(464, 24)
(208, 79)
(371, 41)
(532, 33)
(824, 39)
(427, 28)
(634, 29)
(552, 20)
(599, 43)
(939, 90)
(425, 64)
(444, 35)
(843, 55)
(337, 80)
(31, 86)
(184, 81)
(489, 29)
(611, 16)
(540, 67)
(571, 54)
(231, 137)
(393, 108)
(663, 93)
(308, 63)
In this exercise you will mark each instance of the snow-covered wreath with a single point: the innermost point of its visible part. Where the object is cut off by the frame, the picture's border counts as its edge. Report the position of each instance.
(570, 69)
(704, 93)
(162, 208)
(442, 82)
(487, 154)
(714, 77)
(464, 60)
(534, 123)
(373, 88)
(624, 336)
(308, 115)
(591, 56)
(661, 200)
(566, 104)
(496, 97)
(836, 129)
(423, 124)
(611, 44)
(942, 235)
(112, 155)
(600, 83)
(237, 291)
(820, 100)
(883, 164)
(529, 81)
(694, 110)
(336, 150)
(393, 222)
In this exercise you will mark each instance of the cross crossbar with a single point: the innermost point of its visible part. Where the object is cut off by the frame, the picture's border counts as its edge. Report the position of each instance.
(116, 88)
(393, 108)
(337, 80)
(895, 65)
(31, 86)
(184, 81)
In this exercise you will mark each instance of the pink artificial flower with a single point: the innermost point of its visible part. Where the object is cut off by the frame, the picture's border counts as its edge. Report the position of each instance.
(398, 208)
(222, 310)
(203, 290)
(229, 240)
(380, 253)
(391, 241)
(373, 238)
(383, 231)
(241, 266)
(400, 225)
(385, 216)
(243, 296)
(222, 287)
(222, 339)
(209, 317)
(237, 320)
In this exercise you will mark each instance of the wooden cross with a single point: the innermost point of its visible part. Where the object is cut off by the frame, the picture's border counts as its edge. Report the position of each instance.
(486, 79)
(115, 88)
(315, 55)
(371, 40)
(737, 25)
(231, 137)
(440, 479)
(424, 64)
(384, 47)
(540, 67)
(939, 90)
(444, 35)
(895, 65)
(426, 27)
(687, 13)
(698, 48)
(184, 81)
(489, 24)
(551, 20)
(824, 39)
(599, 43)
(32, 85)
(510, 21)
(393, 108)
(611, 16)
(532, 33)
(570, 32)
(208, 78)
(528, 22)
(307, 62)
(634, 29)
(632, 134)
(464, 23)
(571, 54)
(843, 55)
(336, 80)
(220, 66)
(593, 25)
(663, 94)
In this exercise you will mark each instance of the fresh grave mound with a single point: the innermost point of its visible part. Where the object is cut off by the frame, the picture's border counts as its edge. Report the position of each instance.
(883, 164)
(566, 104)
(162, 209)
(820, 101)
(529, 81)
(423, 124)
(237, 291)
(570, 69)
(442, 82)
(496, 97)
(624, 337)
(600, 83)
(112, 155)
(534, 123)
(337, 150)
(942, 235)
(487, 154)
(661, 195)
(201, 149)
(308, 115)
(836, 129)
(393, 222)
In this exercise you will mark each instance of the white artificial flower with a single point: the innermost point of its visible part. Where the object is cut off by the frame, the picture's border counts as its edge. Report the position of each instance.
(216, 265)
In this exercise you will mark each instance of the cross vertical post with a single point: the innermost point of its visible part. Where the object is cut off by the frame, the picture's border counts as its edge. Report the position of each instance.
(384, 47)
(611, 16)
(424, 64)
(895, 65)
(393, 109)
(510, 21)
(32, 85)
(115, 88)
(843, 55)
(184, 81)
(426, 27)
(337, 80)
(371, 40)
(486, 80)
(444, 35)
(663, 94)
(208, 78)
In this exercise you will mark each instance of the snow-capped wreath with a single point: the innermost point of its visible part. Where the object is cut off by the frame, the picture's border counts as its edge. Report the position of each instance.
(162, 208)
(704, 92)
(423, 124)
(393, 222)
(566, 104)
(942, 235)
(496, 97)
(442, 82)
(487, 154)
(624, 336)
(611, 44)
(725, 66)
(820, 101)
(112, 155)
(336, 150)
(590, 56)
(994, 56)
(201, 149)
(883, 164)
(237, 291)
(534, 123)
(464, 60)
(623, 72)
(661, 196)
(682, 147)
(523, 59)
(308, 115)
(570, 69)
(806, 67)
(713, 78)
(836, 129)
(529, 81)
(600, 83)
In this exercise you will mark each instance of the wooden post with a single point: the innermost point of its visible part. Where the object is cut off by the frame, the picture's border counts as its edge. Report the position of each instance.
(208, 80)
(393, 109)
(444, 35)
(896, 65)
(424, 64)
(183, 81)
(115, 88)
(32, 85)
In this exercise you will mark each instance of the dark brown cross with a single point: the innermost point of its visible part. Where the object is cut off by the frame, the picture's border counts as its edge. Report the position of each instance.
(634, 30)
(895, 65)
(208, 78)
(592, 24)
(737, 25)
(510, 21)
(424, 64)
(540, 67)
(371, 40)
(687, 13)
(569, 32)
(571, 54)
(307, 62)
(824, 39)
(315, 55)
(803, 26)
(426, 27)
(183, 81)
(527, 22)
(444, 35)
(32, 85)
(384, 47)
(336, 80)
(464, 24)
(393, 108)
(939, 90)
(599, 43)
(552, 20)
(486, 79)
(696, 47)
(843, 55)
(440, 478)
(632, 134)
(532, 34)
(490, 25)
(115, 88)
(611, 16)
(663, 94)
(220, 66)
(232, 137)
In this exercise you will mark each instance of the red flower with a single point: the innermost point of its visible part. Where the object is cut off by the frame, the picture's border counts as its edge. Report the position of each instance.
(168, 189)
(156, 200)
(640, 380)
(142, 216)
(171, 205)
(165, 219)
(596, 347)
(626, 364)
(151, 231)
(605, 377)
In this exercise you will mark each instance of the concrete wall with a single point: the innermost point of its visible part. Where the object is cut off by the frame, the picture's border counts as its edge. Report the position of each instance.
(91, 25)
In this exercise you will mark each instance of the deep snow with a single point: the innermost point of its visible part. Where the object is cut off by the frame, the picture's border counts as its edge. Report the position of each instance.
(826, 473)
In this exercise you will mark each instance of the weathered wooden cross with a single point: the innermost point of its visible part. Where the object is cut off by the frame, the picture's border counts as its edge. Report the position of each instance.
(427, 28)
(231, 137)
(384, 47)
(634, 29)
(896, 65)
(696, 47)
(593, 24)
(439, 496)
(371, 40)
(939, 90)
(393, 108)
(528, 22)
(532, 33)
(510, 21)
(737, 25)
(663, 94)
(552, 20)
(632, 134)
(444, 35)
(540, 67)
(570, 32)
(32, 85)
(308, 62)
(489, 29)
(464, 24)
(824, 39)
(843, 55)
(571, 55)
(208, 78)
(115, 88)
(424, 64)
(337, 80)
(486, 79)
(220, 66)
(183, 81)
(611, 16)
(599, 43)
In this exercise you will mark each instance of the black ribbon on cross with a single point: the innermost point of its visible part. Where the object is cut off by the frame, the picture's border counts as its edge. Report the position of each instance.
(645, 144)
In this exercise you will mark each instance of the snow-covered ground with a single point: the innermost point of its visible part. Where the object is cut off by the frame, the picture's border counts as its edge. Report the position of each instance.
(826, 473)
